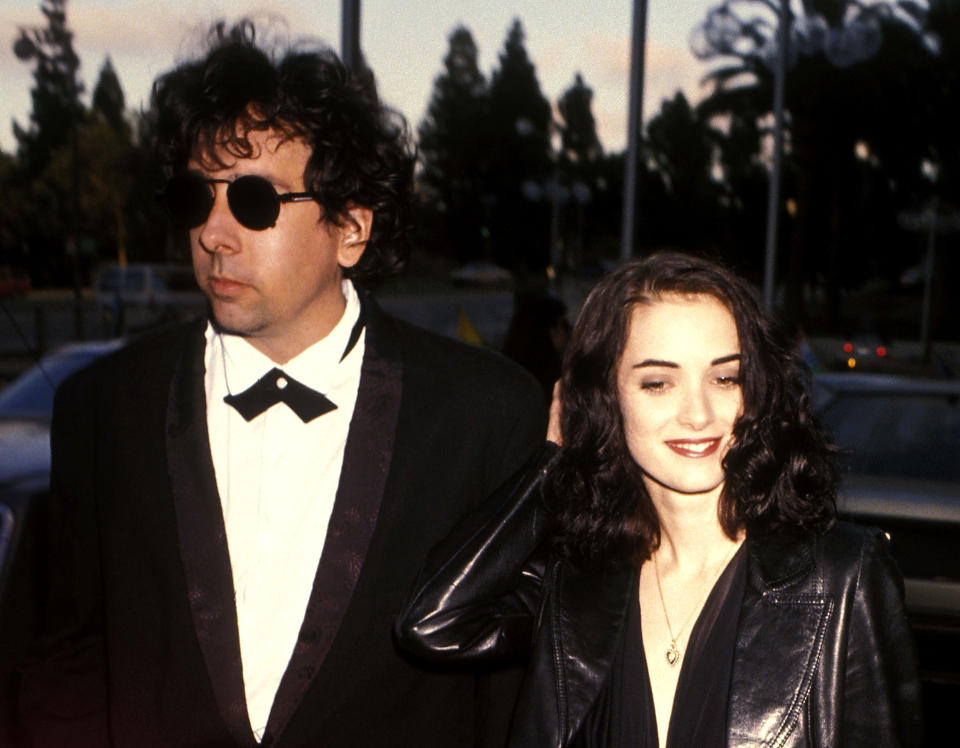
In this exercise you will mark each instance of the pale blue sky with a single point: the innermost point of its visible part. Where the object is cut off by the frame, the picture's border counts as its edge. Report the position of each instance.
(404, 42)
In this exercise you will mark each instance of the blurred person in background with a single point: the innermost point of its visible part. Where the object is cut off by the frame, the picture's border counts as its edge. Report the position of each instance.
(537, 336)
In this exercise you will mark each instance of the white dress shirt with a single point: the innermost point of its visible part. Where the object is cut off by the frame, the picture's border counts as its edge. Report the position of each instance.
(277, 478)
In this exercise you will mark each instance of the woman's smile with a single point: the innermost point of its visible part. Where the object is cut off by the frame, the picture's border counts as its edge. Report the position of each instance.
(694, 447)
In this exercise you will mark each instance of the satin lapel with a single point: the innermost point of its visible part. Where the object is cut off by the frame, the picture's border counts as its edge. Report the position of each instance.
(589, 618)
(203, 539)
(780, 637)
(366, 462)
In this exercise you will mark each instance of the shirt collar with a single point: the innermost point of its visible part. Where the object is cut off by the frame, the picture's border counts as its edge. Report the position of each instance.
(315, 366)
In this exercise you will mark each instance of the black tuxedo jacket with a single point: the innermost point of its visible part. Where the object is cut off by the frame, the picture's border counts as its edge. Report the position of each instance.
(140, 643)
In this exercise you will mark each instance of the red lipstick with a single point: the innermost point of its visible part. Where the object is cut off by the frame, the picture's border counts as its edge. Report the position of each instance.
(694, 447)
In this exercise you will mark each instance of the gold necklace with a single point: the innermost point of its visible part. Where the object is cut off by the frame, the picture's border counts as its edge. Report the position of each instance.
(673, 653)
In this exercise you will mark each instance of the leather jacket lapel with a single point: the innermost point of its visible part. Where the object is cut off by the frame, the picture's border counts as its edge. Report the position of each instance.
(203, 539)
(366, 462)
(591, 611)
(780, 637)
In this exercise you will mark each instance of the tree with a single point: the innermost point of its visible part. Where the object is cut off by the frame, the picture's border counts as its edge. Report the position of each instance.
(680, 145)
(852, 104)
(56, 92)
(519, 158)
(108, 100)
(578, 131)
(580, 152)
(452, 144)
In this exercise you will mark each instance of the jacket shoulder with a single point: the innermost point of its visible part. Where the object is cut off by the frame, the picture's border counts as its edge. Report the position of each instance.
(848, 543)
(836, 556)
(467, 367)
(146, 358)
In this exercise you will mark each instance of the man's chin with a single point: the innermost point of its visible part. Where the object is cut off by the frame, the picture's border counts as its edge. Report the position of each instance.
(228, 324)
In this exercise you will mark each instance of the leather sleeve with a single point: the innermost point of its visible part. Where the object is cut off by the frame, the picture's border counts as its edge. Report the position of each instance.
(479, 591)
(881, 689)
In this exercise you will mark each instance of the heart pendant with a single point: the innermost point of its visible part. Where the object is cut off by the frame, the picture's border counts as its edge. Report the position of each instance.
(673, 654)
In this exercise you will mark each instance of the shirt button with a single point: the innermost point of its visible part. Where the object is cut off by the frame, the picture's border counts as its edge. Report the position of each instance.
(281, 383)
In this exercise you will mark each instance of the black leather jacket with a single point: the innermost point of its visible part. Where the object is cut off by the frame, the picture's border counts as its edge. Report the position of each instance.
(823, 656)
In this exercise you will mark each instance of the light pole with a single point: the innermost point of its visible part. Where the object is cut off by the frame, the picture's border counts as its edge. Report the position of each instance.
(638, 45)
(773, 195)
(350, 34)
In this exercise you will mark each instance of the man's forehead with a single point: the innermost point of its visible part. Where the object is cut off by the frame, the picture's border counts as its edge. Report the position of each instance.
(242, 140)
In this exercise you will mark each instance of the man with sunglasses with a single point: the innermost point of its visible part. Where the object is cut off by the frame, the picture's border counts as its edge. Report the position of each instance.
(240, 505)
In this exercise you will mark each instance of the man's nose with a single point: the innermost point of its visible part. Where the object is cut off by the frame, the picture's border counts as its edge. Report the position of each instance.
(219, 232)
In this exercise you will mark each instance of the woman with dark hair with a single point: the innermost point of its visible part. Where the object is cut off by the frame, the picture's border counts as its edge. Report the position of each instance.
(674, 573)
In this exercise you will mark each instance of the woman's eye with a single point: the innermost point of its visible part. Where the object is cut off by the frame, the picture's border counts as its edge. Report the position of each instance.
(654, 385)
(730, 380)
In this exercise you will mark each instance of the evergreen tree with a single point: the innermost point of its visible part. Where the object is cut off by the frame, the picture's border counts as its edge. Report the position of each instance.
(452, 147)
(679, 143)
(578, 132)
(580, 152)
(56, 91)
(108, 100)
(520, 158)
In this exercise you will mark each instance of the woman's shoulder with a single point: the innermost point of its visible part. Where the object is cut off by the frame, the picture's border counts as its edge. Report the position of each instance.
(849, 541)
(837, 556)
(857, 555)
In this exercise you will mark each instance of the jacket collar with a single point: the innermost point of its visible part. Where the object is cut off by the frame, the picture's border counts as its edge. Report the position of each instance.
(363, 477)
(590, 617)
(784, 619)
(779, 560)
(203, 538)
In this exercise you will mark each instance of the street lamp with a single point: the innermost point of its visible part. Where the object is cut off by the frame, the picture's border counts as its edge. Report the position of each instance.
(773, 36)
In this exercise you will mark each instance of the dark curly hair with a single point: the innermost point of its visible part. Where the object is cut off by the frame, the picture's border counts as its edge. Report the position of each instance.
(780, 472)
(361, 149)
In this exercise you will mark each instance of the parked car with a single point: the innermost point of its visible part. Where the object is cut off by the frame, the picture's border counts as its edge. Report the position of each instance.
(147, 285)
(901, 473)
(26, 407)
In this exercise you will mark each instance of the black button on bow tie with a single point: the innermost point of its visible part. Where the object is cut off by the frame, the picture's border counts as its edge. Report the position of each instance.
(276, 387)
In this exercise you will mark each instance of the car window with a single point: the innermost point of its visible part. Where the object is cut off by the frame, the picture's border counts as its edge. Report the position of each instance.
(109, 279)
(910, 435)
(136, 279)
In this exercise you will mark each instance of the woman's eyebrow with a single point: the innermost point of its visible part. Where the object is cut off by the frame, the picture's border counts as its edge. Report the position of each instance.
(725, 359)
(655, 362)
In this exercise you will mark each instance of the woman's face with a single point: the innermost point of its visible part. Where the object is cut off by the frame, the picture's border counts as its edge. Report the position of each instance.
(678, 385)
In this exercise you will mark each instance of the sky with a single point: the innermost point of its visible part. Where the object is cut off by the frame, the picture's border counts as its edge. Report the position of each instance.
(404, 42)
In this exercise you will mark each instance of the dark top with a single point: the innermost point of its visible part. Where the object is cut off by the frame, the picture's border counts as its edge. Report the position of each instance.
(624, 716)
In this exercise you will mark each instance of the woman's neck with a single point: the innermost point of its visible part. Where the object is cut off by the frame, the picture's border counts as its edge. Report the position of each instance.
(691, 538)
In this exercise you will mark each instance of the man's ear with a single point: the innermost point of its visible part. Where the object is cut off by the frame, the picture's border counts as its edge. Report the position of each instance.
(354, 234)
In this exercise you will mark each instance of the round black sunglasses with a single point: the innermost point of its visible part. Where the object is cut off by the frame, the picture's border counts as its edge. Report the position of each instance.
(253, 200)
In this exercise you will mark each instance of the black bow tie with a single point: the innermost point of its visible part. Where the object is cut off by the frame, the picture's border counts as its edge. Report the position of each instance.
(276, 387)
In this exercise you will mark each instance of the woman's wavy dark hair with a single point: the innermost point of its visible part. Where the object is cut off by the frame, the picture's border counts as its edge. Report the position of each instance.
(780, 472)
(361, 149)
